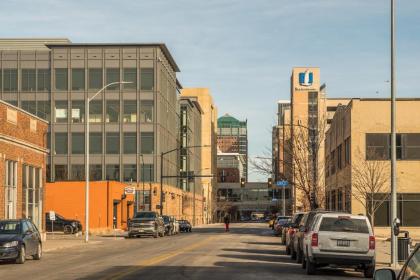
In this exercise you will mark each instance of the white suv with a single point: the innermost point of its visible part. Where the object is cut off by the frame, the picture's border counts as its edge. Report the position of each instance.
(339, 239)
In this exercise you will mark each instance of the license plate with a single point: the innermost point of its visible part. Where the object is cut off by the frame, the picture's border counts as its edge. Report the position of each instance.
(343, 243)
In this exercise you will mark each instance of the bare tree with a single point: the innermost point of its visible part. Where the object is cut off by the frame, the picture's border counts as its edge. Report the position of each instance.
(370, 184)
(262, 164)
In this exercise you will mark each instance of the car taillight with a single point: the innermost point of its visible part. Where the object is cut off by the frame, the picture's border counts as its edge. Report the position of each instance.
(371, 242)
(291, 232)
(314, 239)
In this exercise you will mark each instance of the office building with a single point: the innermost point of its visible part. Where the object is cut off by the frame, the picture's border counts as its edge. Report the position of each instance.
(230, 167)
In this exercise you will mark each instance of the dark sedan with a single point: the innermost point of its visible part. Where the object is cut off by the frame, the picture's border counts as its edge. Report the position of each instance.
(19, 239)
(185, 226)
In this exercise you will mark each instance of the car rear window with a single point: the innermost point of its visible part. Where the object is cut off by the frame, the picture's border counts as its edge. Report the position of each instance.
(343, 224)
(297, 219)
(145, 215)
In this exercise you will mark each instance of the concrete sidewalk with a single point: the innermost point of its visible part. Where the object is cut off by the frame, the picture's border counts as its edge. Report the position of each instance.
(61, 244)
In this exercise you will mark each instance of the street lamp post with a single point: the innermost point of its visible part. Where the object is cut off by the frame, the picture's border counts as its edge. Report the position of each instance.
(87, 140)
(142, 179)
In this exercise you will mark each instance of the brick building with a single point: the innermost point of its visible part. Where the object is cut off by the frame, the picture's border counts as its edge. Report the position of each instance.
(22, 164)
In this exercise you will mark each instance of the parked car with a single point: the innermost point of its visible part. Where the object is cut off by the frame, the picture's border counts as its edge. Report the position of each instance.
(284, 230)
(291, 230)
(409, 271)
(340, 239)
(278, 225)
(185, 226)
(68, 226)
(18, 240)
(169, 225)
(146, 223)
(304, 225)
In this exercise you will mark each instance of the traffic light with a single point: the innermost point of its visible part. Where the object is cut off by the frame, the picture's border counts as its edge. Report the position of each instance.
(270, 183)
(242, 182)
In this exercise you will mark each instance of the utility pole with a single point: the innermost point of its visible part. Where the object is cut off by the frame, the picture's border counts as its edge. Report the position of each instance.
(394, 245)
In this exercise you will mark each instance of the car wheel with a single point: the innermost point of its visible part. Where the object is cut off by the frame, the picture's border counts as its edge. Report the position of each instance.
(369, 271)
(156, 235)
(310, 267)
(22, 255)
(287, 250)
(299, 256)
(68, 229)
(303, 262)
(38, 254)
(292, 254)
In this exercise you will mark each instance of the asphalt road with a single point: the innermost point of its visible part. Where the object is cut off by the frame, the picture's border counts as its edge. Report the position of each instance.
(248, 251)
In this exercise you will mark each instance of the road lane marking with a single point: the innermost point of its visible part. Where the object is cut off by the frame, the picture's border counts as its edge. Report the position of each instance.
(155, 260)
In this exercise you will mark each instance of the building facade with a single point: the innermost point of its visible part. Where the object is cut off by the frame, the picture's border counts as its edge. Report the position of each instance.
(232, 137)
(230, 167)
(23, 153)
(360, 140)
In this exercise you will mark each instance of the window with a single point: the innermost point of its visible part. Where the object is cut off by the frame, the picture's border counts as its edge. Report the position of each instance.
(146, 111)
(43, 110)
(95, 111)
(44, 80)
(130, 143)
(378, 146)
(95, 78)
(339, 200)
(130, 75)
(412, 146)
(95, 143)
(113, 75)
(339, 157)
(130, 173)
(10, 188)
(61, 143)
(29, 106)
(61, 79)
(146, 78)
(112, 143)
(147, 173)
(61, 111)
(130, 111)
(10, 81)
(147, 143)
(77, 172)
(112, 111)
(95, 172)
(343, 225)
(78, 111)
(77, 143)
(78, 79)
(31, 194)
(332, 162)
(28, 80)
(113, 172)
(347, 151)
(60, 172)
(412, 270)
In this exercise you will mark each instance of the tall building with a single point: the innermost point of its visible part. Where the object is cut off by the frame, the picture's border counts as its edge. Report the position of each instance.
(357, 151)
(232, 137)
(230, 167)
(209, 150)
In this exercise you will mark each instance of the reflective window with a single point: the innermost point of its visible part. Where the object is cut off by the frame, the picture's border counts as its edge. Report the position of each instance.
(61, 172)
(61, 144)
(130, 173)
(78, 79)
(61, 111)
(95, 111)
(130, 111)
(130, 75)
(112, 143)
(44, 80)
(147, 173)
(146, 111)
(77, 172)
(43, 110)
(61, 79)
(95, 172)
(10, 81)
(130, 143)
(112, 75)
(112, 111)
(78, 111)
(77, 143)
(113, 172)
(147, 143)
(28, 80)
(95, 78)
(95, 143)
(412, 146)
(146, 78)
(29, 106)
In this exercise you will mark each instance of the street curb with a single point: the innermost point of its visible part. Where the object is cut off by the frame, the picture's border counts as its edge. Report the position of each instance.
(71, 246)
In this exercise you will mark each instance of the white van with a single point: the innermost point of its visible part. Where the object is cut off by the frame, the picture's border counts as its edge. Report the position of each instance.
(339, 239)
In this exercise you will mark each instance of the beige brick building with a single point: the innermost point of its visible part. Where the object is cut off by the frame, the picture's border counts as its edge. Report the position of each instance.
(360, 135)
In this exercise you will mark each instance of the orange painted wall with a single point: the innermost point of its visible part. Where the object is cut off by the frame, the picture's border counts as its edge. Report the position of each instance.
(68, 200)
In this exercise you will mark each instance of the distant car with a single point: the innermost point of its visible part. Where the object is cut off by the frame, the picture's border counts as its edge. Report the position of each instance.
(410, 270)
(339, 239)
(279, 223)
(68, 226)
(18, 240)
(291, 230)
(185, 226)
(147, 223)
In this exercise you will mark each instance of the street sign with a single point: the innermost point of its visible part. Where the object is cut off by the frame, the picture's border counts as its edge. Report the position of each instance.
(282, 183)
(129, 190)
(52, 215)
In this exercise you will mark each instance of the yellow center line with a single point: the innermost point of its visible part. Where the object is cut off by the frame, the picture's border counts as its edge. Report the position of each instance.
(155, 260)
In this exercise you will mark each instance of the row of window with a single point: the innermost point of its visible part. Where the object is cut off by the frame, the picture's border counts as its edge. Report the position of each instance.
(378, 146)
(40, 79)
(338, 158)
(112, 143)
(338, 200)
(112, 172)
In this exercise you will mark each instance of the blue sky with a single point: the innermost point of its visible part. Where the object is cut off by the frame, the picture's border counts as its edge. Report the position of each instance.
(243, 50)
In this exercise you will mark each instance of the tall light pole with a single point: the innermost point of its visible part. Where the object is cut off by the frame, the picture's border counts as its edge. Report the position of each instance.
(394, 245)
(87, 140)
(142, 179)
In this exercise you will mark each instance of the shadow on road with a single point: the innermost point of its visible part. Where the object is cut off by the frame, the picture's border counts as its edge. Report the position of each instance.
(256, 251)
